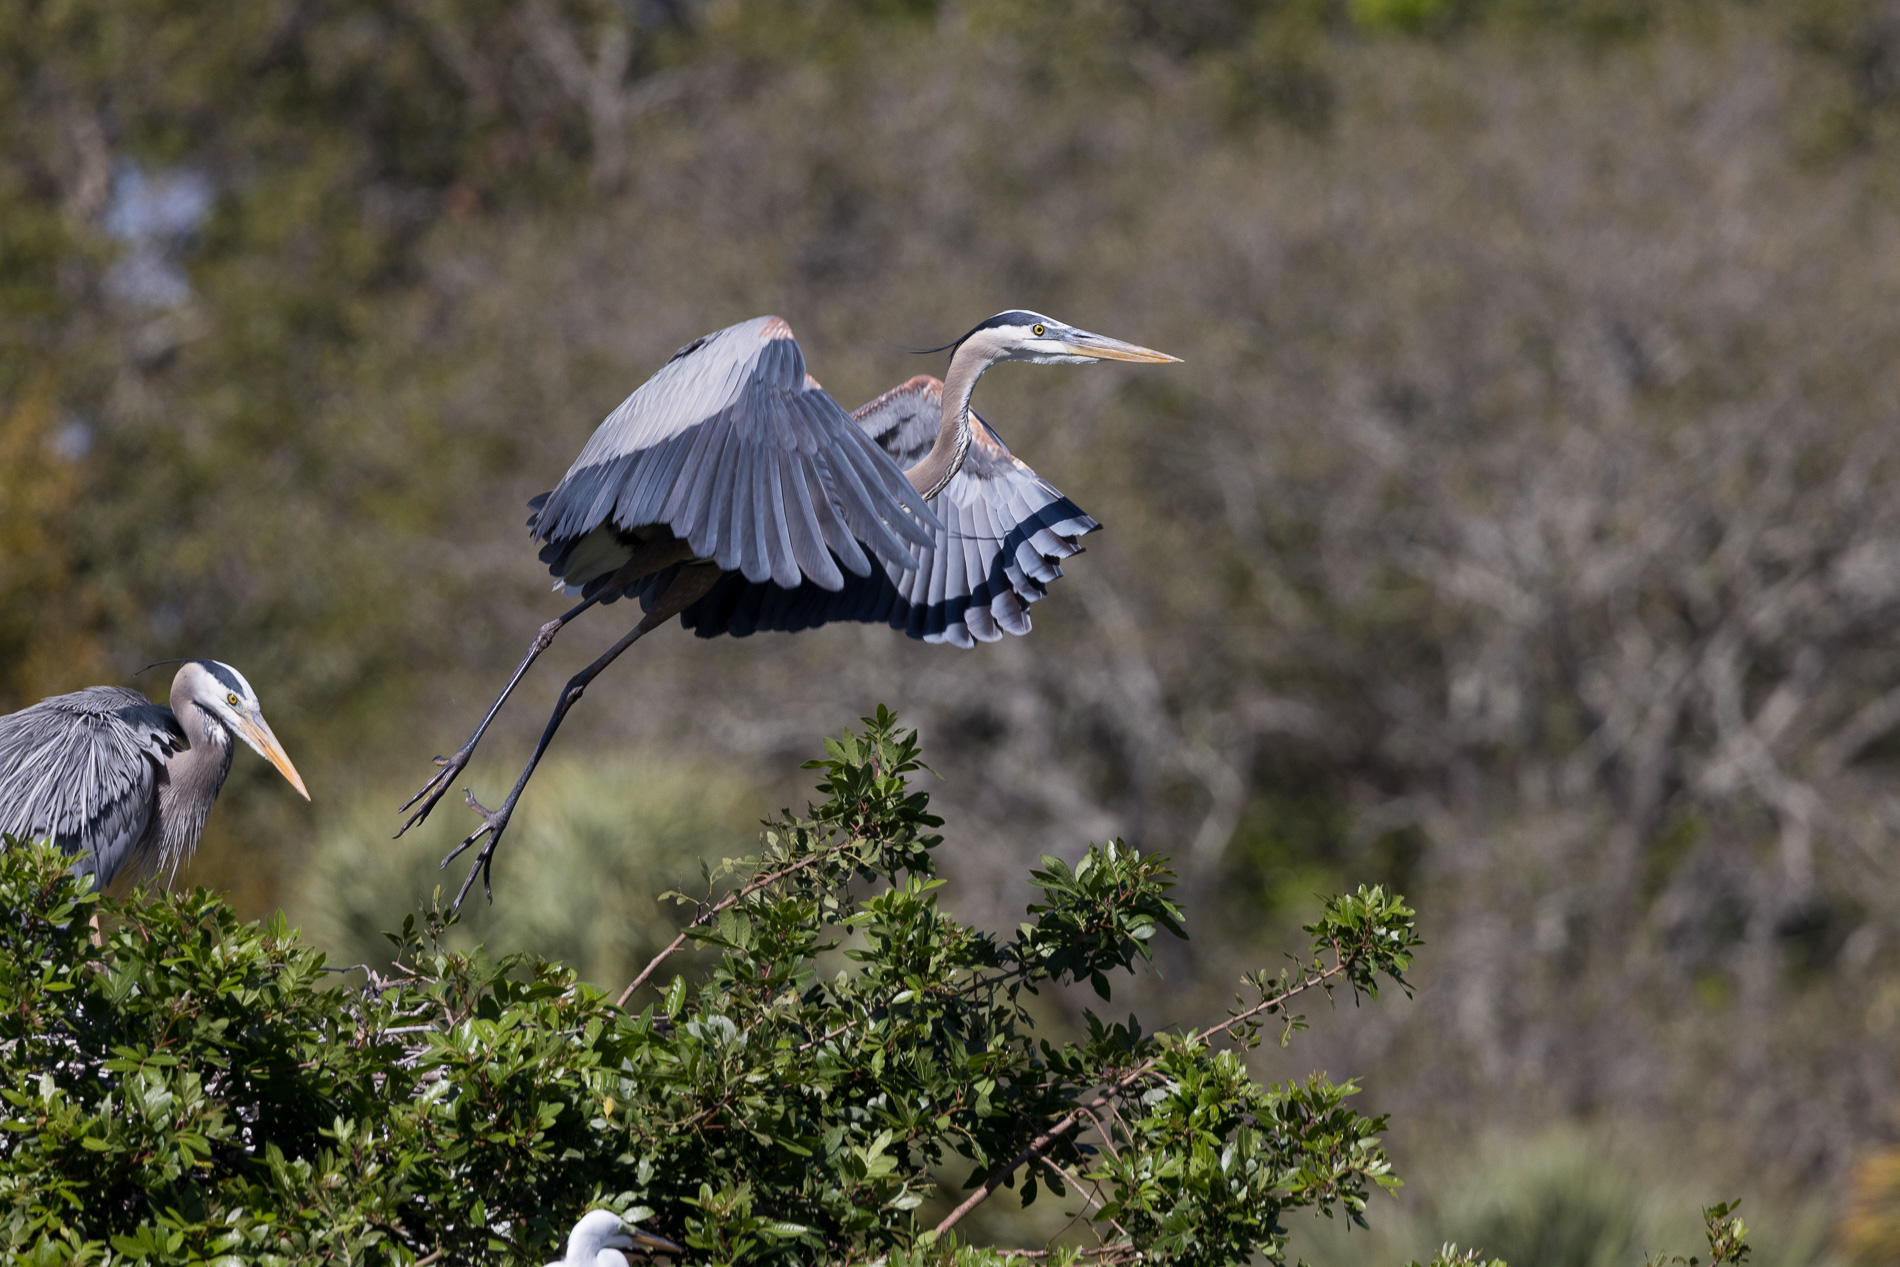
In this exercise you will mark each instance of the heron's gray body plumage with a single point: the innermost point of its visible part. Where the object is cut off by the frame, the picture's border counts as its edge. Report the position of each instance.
(88, 771)
(733, 448)
(117, 781)
(1005, 529)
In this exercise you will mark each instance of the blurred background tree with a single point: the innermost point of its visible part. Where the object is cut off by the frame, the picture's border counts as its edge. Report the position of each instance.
(1522, 530)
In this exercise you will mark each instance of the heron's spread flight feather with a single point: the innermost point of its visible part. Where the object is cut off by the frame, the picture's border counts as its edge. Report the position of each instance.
(83, 769)
(715, 448)
(1005, 529)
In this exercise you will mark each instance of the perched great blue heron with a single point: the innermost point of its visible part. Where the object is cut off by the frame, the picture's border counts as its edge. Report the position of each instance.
(117, 780)
(598, 1238)
(731, 491)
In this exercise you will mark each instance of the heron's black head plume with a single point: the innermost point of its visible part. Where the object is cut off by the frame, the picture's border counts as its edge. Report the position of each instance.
(217, 669)
(1014, 317)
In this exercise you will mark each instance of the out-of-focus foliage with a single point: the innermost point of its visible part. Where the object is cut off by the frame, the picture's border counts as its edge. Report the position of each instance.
(47, 624)
(1570, 1197)
(1870, 1227)
(1521, 530)
(599, 841)
(188, 1092)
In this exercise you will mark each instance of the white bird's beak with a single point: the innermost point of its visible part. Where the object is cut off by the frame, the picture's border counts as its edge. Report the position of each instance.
(256, 732)
(1103, 348)
(647, 1240)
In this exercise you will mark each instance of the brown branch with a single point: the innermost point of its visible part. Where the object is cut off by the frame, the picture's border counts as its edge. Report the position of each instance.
(1108, 1140)
(712, 911)
(1073, 1118)
(827, 1036)
(1088, 1198)
(1092, 1253)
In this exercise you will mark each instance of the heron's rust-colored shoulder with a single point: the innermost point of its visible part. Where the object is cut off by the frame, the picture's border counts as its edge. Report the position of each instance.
(986, 445)
(775, 328)
(928, 386)
(983, 436)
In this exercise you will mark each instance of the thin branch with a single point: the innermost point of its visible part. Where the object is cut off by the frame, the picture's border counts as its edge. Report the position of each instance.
(1108, 1141)
(1094, 1254)
(827, 1036)
(1073, 1118)
(712, 911)
(1093, 1198)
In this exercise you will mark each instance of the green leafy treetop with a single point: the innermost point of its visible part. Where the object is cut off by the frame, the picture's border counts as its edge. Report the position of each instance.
(195, 1089)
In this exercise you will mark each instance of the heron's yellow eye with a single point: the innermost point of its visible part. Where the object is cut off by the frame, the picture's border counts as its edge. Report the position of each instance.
(1038, 329)
(230, 699)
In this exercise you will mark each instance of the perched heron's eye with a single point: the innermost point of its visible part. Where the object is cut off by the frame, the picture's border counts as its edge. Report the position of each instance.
(230, 699)
(1037, 328)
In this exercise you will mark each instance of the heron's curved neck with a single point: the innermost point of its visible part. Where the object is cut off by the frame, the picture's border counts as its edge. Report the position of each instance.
(191, 781)
(945, 458)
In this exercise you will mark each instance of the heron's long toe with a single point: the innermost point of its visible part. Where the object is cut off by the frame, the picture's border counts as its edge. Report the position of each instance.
(494, 822)
(433, 790)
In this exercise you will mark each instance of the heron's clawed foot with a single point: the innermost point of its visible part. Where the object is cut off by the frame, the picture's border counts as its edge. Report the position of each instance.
(494, 822)
(432, 790)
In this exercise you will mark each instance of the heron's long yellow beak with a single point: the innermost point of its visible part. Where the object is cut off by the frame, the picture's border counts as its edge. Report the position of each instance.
(256, 732)
(1107, 349)
(647, 1240)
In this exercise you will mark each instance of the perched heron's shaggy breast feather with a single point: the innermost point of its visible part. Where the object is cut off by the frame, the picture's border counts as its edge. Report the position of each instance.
(83, 770)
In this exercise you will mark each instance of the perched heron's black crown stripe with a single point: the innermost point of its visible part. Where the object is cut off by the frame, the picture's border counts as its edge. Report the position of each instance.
(219, 671)
(1014, 317)
(223, 674)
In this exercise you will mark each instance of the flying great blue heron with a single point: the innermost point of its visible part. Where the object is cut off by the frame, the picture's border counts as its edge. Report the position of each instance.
(117, 780)
(598, 1238)
(730, 490)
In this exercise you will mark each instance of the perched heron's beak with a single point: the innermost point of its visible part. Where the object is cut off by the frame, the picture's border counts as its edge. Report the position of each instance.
(255, 731)
(1103, 348)
(647, 1240)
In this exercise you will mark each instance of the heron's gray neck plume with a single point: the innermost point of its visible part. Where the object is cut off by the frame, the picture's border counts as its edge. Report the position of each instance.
(945, 458)
(189, 785)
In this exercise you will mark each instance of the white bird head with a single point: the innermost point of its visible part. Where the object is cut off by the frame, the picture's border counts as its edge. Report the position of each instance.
(227, 698)
(598, 1238)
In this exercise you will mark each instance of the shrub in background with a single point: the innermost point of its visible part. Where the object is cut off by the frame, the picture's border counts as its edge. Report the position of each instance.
(576, 883)
(1572, 1197)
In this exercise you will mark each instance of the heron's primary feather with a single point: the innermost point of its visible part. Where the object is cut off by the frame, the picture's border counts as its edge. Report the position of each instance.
(733, 448)
(83, 769)
(1005, 530)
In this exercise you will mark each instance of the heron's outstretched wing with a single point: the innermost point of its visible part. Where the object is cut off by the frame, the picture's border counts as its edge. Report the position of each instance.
(1005, 531)
(83, 770)
(734, 449)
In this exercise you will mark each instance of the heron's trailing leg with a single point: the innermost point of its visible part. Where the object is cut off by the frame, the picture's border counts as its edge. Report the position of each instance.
(687, 588)
(452, 765)
(651, 557)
